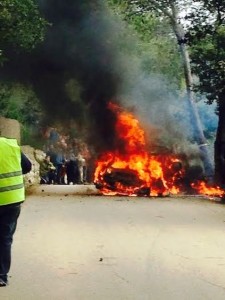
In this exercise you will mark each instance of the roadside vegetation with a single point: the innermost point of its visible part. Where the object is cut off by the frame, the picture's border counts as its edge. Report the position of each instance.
(180, 41)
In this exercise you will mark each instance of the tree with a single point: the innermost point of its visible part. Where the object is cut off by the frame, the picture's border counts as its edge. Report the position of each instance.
(21, 29)
(21, 26)
(153, 44)
(206, 36)
(20, 103)
(169, 9)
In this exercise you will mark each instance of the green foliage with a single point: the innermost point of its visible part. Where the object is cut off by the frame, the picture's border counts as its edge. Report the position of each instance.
(157, 47)
(206, 36)
(161, 8)
(21, 25)
(20, 103)
(31, 136)
(142, 5)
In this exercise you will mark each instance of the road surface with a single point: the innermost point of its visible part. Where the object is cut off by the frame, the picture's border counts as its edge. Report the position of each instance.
(79, 247)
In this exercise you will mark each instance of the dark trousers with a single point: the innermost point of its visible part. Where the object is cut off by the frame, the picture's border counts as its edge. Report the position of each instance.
(59, 174)
(8, 221)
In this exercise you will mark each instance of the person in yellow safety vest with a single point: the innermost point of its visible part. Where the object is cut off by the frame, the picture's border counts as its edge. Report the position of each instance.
(13, 164)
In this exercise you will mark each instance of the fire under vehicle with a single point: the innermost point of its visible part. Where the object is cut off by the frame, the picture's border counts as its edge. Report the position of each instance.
(134, 170)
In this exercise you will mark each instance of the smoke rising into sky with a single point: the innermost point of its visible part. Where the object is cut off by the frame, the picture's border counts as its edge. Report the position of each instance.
(78, 48)
(79, 69)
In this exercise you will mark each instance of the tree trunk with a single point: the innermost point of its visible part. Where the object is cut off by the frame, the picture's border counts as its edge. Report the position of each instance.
(196, 122)
(219, 155)
(197, 126)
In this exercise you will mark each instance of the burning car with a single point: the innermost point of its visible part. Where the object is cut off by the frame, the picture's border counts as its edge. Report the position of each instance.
(134, 170)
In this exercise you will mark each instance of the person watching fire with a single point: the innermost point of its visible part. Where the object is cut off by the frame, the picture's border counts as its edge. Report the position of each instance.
(47, 169)
(13, 164)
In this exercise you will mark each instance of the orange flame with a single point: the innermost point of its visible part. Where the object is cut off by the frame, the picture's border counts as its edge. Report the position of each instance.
(202, 188)
(134, 171)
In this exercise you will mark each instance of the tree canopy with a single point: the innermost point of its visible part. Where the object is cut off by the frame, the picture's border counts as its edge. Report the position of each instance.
(21, 26)
(206, 36)
(158, 46)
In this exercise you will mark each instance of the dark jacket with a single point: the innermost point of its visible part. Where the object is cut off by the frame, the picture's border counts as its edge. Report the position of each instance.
(25, 164)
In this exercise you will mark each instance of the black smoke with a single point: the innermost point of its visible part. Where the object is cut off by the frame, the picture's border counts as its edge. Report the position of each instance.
(77, 46)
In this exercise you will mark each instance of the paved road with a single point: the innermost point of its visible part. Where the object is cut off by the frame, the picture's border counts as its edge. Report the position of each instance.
(77, 247)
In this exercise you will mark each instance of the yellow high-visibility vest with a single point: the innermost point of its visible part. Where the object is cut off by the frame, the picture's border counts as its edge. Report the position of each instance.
(11, 177)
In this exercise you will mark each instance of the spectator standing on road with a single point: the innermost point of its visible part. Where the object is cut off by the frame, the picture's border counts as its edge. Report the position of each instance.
(13, 164)
(72, 171)
(83, 156)
(57, 158)
(81, 167)
(47, 169)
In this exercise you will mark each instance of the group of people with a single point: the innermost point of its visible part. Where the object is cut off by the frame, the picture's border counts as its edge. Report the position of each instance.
(66, 160)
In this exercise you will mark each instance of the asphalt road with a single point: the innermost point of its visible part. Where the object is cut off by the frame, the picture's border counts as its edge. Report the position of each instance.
(79, 247)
